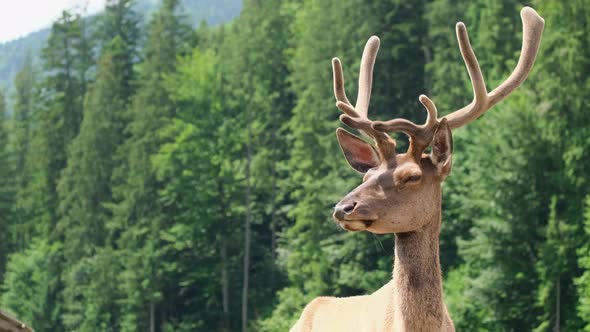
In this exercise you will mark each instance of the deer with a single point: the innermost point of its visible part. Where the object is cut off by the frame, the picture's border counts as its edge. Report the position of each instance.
(401, 193)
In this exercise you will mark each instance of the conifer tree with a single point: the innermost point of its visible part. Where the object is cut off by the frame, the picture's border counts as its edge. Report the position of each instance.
(25, 98)
(120, 20)
(560, 73)
(138, 214)
(66, 60)
(30, 286)
(254, 72)
(85, 187)
(400, 75)
(199, 184)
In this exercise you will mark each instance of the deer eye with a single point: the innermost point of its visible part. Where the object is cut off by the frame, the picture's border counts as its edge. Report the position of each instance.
(415, 178)
(408, 174)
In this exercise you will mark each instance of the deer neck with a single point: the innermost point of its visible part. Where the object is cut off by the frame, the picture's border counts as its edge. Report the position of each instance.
(418, 298)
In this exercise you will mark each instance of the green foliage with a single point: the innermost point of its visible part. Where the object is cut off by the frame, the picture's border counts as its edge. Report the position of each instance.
(13, 53)
(583, 282)
(285, 314)
(91, 292)
(138, 215)
(555, 266)
(85, 185)
(313, 150)
(527, 208)
(25, 97)
(141, 191)
(66, 59)
(118, 28)
(29, 286)
(184, 164)
(499, 229)
(85, 188)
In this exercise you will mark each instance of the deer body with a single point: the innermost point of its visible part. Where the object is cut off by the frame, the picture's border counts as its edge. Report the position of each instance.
(401, 194)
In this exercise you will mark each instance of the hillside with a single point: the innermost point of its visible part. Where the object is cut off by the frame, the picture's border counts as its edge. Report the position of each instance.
(12, 54)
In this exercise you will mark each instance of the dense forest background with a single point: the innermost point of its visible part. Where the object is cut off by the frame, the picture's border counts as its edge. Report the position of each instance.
(13, 53)
(161, 177)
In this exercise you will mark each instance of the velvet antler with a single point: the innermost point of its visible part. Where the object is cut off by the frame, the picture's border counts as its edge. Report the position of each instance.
(421, 136)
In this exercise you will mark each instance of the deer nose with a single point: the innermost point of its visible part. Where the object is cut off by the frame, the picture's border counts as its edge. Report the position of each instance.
(343, 209)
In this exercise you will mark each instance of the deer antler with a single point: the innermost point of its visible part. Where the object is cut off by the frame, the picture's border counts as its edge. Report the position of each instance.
(422, 135)
(532, 26)
(357, 116)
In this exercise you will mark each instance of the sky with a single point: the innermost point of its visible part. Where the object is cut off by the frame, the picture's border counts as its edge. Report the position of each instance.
(21, 17)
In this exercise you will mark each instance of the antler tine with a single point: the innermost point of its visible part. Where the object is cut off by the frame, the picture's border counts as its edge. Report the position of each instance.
(365, 81)
(339, 83)
(350, 117)
(357, 116)
(480, 93)
(421, 135)
(407, 126)
(532, 30)
(366, 75)
(432, 118)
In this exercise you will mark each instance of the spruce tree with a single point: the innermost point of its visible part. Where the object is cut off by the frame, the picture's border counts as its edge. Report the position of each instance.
(199, 184)
(85, 187)
(29, 287)
(25, 99)
(66, 60)
(138, 214)
(120, 20)
(560, 73)
(257, 97)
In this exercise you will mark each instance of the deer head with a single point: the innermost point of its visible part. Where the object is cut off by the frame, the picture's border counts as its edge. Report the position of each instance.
(401, 191)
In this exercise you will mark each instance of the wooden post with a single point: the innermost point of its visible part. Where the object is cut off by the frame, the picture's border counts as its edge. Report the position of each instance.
(11, 324)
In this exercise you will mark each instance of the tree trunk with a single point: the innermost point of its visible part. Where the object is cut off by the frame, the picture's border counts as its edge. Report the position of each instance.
(152, 316)
(557, 304)
(273, 208)
(247, 230)
(224, 286)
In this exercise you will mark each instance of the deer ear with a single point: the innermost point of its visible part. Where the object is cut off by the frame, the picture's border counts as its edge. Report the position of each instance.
(442, 148)
(360, 155)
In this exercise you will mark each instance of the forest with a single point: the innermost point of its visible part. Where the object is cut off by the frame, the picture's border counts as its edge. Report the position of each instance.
(161, 177)
(13, 53)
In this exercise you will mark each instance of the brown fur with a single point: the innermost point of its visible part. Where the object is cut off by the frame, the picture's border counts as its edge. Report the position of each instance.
(412, 300)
